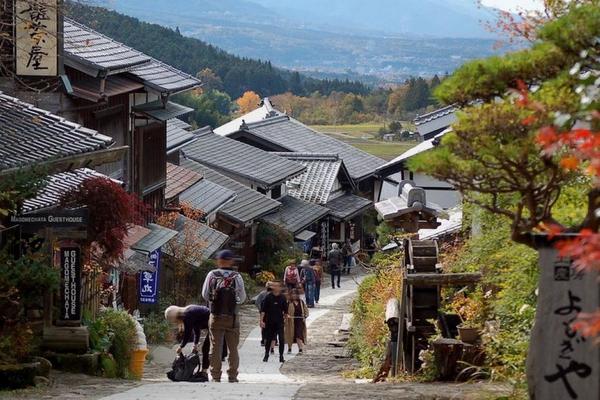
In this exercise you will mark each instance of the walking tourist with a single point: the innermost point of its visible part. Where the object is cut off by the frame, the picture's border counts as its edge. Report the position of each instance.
(192, 320)
(335, 264)
(272, 318)
(295, 327)
(224, 290)
(347, 256)
(316, 265)
(307, 277)
(260, 298)
(291, 276)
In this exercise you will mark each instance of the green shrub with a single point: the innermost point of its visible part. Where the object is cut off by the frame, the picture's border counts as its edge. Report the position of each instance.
(121, 330)
(250, 285)
(369, 333)
(108, 366)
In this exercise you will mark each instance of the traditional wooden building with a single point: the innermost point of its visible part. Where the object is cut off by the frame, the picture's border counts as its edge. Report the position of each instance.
(271, 130)
(126, 94)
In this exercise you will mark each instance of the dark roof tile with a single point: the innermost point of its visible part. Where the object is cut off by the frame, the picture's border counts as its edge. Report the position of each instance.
(296, 215)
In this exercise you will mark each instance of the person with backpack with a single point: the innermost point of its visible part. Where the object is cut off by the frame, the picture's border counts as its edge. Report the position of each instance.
(316, 266)
(347, 255)
(273, 314)
(224, 290)
(308, 281)
(291, 276)
(192, 320)
(334, 258)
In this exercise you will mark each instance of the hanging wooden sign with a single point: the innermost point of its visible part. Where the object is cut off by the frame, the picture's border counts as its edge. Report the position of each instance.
(36, 37)
(70, 289)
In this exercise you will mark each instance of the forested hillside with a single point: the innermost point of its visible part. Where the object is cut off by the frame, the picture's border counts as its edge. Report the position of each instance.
(237, 74)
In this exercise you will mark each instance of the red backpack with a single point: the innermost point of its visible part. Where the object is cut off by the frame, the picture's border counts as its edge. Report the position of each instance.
(291, 276)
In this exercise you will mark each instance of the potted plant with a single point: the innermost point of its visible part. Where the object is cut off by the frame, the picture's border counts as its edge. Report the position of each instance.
(468, 309)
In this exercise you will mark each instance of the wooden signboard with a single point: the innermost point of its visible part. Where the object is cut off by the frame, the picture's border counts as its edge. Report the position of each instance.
(563, 364)
(70, 289)
(36, 41)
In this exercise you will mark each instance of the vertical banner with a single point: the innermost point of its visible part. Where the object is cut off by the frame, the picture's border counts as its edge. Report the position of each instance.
(565, 365)
(70, 291)
(149, 280)
(36, 42)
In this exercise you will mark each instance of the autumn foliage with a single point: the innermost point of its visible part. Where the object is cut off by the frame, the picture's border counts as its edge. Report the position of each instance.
(248, 102)
(112, 211)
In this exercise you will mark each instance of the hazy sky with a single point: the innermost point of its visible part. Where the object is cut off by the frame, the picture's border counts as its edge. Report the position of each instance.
(513, 4)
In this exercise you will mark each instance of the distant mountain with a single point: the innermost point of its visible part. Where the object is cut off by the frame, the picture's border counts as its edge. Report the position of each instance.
(434, 18)
(388, 40)
(192, 55)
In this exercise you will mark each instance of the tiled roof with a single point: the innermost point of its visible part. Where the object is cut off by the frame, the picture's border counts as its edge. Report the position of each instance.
(442, 112)
(177, 134)
(158, 236)
(265, 110)
(164, 78)
(210, 239)
(296, 214)
(242, 160)
(57, 185)
(316, 183)
(88, 50)
(206, 196)
(248, 204)
(176, 122)
(348, 205)
(179, 179)
(397, 163)
(88, 47)
(30, 135)
(292, 135)
(162, 112)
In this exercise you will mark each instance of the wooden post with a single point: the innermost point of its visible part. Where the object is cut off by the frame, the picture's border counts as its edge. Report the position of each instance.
(561, 363)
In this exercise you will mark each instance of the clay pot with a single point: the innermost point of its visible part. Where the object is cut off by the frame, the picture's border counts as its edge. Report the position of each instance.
(468, 334)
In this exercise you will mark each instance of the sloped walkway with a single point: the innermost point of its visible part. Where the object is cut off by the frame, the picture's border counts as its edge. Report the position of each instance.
(258, 380)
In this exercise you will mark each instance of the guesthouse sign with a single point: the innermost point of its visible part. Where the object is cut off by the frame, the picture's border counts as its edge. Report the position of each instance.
(70, 290)
(36, 44)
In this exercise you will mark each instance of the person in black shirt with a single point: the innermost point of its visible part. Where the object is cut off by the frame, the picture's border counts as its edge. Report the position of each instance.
(272, 318)
(192, 320)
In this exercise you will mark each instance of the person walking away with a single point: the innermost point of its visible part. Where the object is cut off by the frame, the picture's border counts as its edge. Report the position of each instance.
(192, 320)
(295, 329)
(224, 290)
(291, 276)
(273, 314)
(335, 263)
(308, 281)
(316, 266)
(260, 298)
(347, 256)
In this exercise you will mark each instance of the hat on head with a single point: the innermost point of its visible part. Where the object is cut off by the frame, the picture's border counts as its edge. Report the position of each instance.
(304, 263)
(334, 246)
(225, 255)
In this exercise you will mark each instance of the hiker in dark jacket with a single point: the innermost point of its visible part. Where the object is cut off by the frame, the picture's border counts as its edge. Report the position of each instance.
(334, 258)
(224, 290)
(259, 302)
(272, 318)
(192, 320)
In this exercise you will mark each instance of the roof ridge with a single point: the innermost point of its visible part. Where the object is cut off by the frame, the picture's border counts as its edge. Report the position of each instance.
(266, 121)
(434, 112)
(87, 28)
(307, 155)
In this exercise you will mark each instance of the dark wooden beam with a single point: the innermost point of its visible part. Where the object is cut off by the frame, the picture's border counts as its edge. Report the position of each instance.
(458, 279)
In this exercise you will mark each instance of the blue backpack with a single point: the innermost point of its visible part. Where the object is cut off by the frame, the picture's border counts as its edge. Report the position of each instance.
(309, 275)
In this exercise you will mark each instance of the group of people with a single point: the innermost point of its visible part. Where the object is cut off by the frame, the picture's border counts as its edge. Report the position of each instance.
(283, 312)
(283, 315)
(224, 291)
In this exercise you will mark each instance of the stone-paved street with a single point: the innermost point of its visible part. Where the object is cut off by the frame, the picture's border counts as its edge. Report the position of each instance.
(315, 375)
